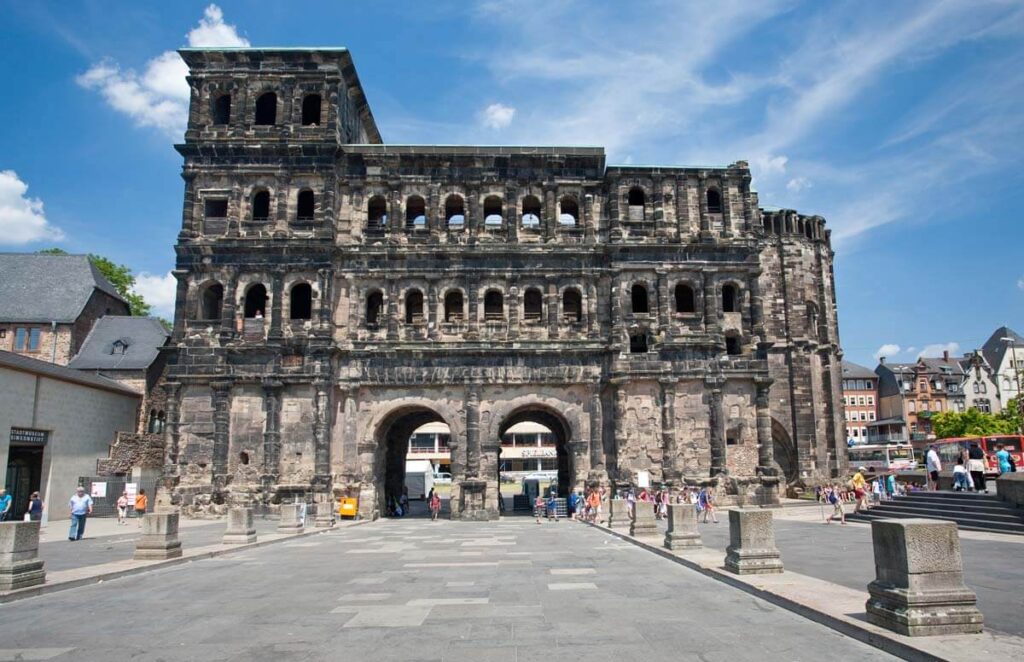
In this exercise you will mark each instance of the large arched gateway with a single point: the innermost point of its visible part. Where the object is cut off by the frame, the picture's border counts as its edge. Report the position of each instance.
(656, 329)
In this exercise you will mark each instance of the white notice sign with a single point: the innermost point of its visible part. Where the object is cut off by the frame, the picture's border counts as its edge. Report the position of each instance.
(132, 489)
(643, 479)
(99, 490)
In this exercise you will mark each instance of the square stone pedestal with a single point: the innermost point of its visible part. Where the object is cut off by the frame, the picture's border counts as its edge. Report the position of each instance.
(159, 538)
(20, 566)
(644, 525)
(291, 518)
(618, 514)
(241, 527)
(682, 527)
(474, 501)
(919, 587)
(751, 549)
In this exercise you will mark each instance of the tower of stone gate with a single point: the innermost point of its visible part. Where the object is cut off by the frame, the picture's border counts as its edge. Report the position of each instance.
(336, 292)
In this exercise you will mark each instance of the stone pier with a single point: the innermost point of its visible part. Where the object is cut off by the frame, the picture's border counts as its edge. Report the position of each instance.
(291, 518)
(751, 549)
(644, 524)
(159, 538)
(919, 587)
(241, 527)
(682, 527)
(20, 565)
(618, 514)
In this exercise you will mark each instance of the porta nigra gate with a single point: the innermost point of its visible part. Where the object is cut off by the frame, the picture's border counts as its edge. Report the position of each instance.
(336, 292)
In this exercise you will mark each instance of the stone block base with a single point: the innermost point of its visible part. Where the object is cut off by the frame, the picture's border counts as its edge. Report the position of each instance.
(159, 539)
(323, 522)
(157, 551)
(290, 528)
(238, 538)
(21, 574)
(683, 541)
(923, 613)
(753, 561)
(241, 528)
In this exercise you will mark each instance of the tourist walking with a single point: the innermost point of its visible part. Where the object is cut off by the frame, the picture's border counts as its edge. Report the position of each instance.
(538, 507)
(890, 485)
(573, 501)
(552, 507)
(933, 465)
(5, 505)
(706, 505)
(122, 508)
(594, 502)
(35, 507)
(1003, 458)
(832, 496)
(81, 507)
(141, 502)
(435, 505)
(976, 467)
(859, 485)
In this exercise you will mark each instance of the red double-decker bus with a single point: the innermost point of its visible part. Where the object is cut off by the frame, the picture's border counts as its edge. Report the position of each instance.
(950, 449)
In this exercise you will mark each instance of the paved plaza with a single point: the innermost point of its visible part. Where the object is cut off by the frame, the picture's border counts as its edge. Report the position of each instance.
(416, 590)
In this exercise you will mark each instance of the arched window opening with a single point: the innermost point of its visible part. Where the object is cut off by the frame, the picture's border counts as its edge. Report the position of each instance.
(266, 109)
(261, 205)
(729, 299)
(161, 421)
(812, 319)
(455, 211)
(222, 109)
(800, 226)
(301, 302)
(243, 458)
(714, 201)
(766, 223)
(306, 205)
(494, 306)
(638, 299)
(415, 213)
(531, 212)
(809, 230)
(256, 301)
(492, 212)
(377, 212)
(374, 307)
(684, 299)
(636, 201)
(211, 302)
(732, 345)
(638, 343)
(151, 428)
(572, 305)
(778, 225)
(533, 305)
(414, 307)
(311, 110)
(453, 307)
(569, 212)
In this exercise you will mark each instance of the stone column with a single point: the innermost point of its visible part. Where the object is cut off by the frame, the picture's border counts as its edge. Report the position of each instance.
(593, 327)
(663, 303)
(291, 518)
(392, 309)
(682, 527)
(228, 304)
(587, 218)
(20, 566)
(644, 525)
(756, 308)
(550, 221)
(727, 228)
(159, 538)
(185, 306)
(473, 328)
(513, 308)
(473, 432)
(326, 277)
(596, 429)
(670, 469)
(620, 431)
(706, 235)
(432, 324)
(221, 428)
(172, 430)
(919, 587)
(658, 198)
(716, 421)
(552, 309)
(765, 449)
(322, 452)
(710, 304)
(271, 432)
(275, 308)
(241, 527)
(682, 209)
(751, 549)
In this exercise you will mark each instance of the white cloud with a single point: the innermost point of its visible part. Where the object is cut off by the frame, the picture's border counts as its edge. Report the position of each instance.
(22, 219)
(911, 349)
(1020, 283)
(158, 291)
(888, 349)
(798, 184)
(498, 116)
(159, 97)
(935, 350)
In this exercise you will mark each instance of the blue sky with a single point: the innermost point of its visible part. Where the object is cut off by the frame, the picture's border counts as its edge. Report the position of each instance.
(900, 123)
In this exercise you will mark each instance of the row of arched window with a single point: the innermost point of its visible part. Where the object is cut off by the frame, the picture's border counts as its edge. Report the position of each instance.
(494, 306)
(300, 301)
(685, 299)
(266, 109)
(636, 201)
(455, 212)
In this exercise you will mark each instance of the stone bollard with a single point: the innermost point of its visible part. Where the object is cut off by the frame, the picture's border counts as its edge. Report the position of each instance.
(919, 587)
(751, 549)
(682, 527)
(241, 527)
(159, 538)
(324, 515)
(618, 514)
(291, 518)
(20, 565)
(644, 524)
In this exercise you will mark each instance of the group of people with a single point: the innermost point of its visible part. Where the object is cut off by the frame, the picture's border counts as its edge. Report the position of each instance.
(34, 509)
(969, 469)
(703, 499)
(586, 505)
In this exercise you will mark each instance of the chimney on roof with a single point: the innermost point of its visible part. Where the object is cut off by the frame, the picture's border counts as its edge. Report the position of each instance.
(945, 355)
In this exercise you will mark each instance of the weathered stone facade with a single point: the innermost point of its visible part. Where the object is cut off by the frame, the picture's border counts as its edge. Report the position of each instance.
(335, 293)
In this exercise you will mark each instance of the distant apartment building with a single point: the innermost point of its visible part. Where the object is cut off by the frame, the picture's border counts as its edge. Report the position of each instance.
(916, 392)
(980, 385)
(860, 400)
(526, 447)
(49, 303)
(1004, 352)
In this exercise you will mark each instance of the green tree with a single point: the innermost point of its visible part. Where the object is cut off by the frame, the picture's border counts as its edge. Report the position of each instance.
(119, 275)
(971, 423)
(1011, 414)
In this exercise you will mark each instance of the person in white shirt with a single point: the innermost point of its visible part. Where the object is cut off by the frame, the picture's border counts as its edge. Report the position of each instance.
(81, 507)
(934, 466)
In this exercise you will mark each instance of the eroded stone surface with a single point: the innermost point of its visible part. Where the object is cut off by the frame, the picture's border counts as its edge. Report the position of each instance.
(751, 549)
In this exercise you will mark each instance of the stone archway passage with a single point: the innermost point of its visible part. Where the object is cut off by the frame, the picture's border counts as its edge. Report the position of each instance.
(785, 453)
(559, 430)
(393, 446)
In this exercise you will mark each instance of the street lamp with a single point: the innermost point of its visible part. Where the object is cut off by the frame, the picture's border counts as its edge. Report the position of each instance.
(1011, 343)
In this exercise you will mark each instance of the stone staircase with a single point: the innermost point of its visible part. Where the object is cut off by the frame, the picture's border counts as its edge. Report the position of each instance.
(971, 512)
